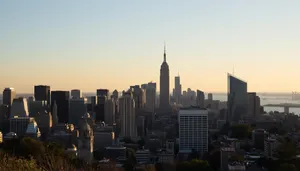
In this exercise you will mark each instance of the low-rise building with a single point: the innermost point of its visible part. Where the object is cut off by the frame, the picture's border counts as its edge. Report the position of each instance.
(142, 156)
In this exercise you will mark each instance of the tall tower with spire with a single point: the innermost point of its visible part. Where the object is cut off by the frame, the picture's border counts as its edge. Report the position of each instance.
(164, 98)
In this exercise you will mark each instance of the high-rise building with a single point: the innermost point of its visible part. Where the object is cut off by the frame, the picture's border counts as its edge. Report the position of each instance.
(151, 97)
(76, 94)
(19, 125)
(19, 108)
(200, 99)
(177, 90)
(102, 92)
(237, 102)
(77, 110)
(253, 105)
(127, 115)
(110, 111)
(164, 102)
(139, 96)
(61, 98)
(115, 94)
(210, 96)
(100, 108)
(193, 130)
(42, 93)
(8, 96)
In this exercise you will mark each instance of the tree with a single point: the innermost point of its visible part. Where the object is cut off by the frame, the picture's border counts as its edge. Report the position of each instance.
(240, 131)
(194, 165)
(287, 167)
(287, 149)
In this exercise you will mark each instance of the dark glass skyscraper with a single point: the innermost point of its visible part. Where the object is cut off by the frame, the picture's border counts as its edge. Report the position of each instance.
(164, 97)
(237, 102)
(61, 98)
(42, 93)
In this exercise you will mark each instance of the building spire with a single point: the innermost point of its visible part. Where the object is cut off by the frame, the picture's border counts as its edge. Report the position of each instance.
(165, 58)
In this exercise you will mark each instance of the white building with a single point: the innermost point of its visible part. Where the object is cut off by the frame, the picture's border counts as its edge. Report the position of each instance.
(19, 108)
(127, 115)
(193, 130)
(270, 146)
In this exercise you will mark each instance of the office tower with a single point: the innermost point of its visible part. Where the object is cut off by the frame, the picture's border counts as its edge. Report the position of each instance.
(9, 94)
(61, 98)
(139, 96)
(4, 116)
(38, 106)
(237, 102)
(193, 130)
(109, 115)
(225, 154)
(54, 114)
(100, 108)
(115, 94)
(76, 94)
(164, 102)
(177, 90)
(253, 106)
(33, 129)
(144, 86)
(200, 99)
(19, 125)
(141, 127)
(258, 138)
(44, 122)
(151, 97)
(77, 110)
(19, 108)
(210, 96)
(102, 92)
(42, 93)
(127, 115)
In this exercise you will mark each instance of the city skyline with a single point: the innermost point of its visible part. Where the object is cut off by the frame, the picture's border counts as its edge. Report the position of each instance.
(115, 44)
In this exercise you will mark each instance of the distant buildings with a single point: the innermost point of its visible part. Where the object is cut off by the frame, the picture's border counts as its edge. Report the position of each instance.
(193, 130)
(19, 125)
(127, 115)
(42, 93)
(237, 102)
(61, 99)
(177, 90)
(110, 111)
(253, 106)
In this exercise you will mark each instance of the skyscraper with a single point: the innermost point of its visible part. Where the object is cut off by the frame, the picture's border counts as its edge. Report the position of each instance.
(77, 110)
(76, 94)
(102, 92)
(61, 98)
(8, 96)
(164, 102)
(237, 102)
(110, 111)
(151, 96)
(19, 108)
(42, 93)
(127, 115)
(253, 105)
(200, 99)
(193, 130)
(177, 90)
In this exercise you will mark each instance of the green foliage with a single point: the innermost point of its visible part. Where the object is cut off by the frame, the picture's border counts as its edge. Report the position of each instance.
(287, 149)
(194, 165)
(14, 163)
(240, 131)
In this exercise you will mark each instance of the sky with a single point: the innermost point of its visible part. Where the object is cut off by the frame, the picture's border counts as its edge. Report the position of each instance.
(114, 44)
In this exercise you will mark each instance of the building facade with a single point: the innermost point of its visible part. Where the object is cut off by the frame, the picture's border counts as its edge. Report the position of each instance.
(61, 99)
(127, 115)
(42, 93)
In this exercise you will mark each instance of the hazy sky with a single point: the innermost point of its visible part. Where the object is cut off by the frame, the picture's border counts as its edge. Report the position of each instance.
(113, 44)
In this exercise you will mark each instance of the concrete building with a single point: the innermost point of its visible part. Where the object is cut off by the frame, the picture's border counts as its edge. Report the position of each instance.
(210, 96)
(127, 115)
(226, 153)
(237, 102)
(164, 101)
(200, 99)
(100, 108)
(103, 138)
(139, 96)
(19, 108)
(44, 122)
(270, 147)
(9, 94)
(193, 130)
(86, 143)
(151, 97)
(258, 138)
(102, 92)
(77, 108)
(76, 94)
(42, 93)
(33, 129)
(110, 112)
(61, 98)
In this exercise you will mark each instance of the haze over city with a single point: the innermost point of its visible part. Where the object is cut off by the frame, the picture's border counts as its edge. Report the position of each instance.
(114, 44)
